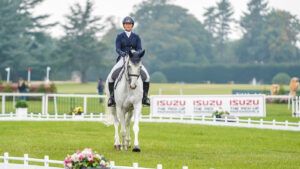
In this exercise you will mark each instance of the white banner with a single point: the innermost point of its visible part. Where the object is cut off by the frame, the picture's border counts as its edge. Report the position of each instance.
(198, 105)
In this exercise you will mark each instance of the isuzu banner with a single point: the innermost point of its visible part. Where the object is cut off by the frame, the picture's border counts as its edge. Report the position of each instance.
(198, 105)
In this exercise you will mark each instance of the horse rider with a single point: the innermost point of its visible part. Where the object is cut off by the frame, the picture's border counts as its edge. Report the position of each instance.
(125, 42)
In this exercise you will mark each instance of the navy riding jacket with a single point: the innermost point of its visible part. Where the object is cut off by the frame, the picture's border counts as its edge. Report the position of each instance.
(125, 44)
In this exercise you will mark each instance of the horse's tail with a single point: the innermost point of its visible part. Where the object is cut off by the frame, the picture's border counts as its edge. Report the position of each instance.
(109, 111)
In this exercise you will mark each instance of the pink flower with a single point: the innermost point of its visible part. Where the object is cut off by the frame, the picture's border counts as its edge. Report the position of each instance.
(90, 157)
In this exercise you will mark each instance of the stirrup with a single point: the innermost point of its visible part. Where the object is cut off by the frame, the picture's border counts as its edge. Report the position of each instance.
(146, 101)
(111, 102)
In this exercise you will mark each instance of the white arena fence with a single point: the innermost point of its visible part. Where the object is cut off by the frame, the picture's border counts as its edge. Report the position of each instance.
(55, 107)
(91, 103)
(201, 120)
(26, 163)
(53, 103)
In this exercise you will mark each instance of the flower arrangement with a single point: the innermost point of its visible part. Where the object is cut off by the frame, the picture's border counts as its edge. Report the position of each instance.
(77, 110)
(220, 114)
(86, 159)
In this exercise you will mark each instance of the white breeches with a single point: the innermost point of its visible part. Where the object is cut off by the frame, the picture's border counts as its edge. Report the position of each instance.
(119, 64)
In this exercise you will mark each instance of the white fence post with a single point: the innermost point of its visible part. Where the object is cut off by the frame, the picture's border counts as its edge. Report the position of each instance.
(84, 105)
(43, 104)
(6, 156)
(159, 166)
(112, 163)
(3, 104)
(46, 161)
(185, 167)
(101, 116)
(261, 122)
(55, 105)
(25, 159)
(135, 165)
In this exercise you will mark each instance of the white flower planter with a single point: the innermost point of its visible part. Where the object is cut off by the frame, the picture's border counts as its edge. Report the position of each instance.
(21, 112)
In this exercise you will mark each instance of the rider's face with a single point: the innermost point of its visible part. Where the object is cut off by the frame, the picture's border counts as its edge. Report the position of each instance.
(128, 27)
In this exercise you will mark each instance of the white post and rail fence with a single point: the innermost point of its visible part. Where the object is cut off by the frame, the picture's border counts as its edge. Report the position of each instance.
(8, 162)
(193, 109)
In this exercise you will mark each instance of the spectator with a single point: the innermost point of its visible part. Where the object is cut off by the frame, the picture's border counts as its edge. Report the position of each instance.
(100, 88)
(22, 87)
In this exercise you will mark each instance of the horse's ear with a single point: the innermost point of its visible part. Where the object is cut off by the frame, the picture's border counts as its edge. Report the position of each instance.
(142, 53)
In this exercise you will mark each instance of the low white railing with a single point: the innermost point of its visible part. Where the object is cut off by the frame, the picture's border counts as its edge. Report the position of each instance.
(46, 163)
(203, 120)
(53, 103)
(91, 103)
(296, 106)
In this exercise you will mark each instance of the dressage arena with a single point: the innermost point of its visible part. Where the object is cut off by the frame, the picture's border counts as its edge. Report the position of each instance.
(46, 135)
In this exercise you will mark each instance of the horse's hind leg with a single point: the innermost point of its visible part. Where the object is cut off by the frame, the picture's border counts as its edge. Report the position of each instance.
(128, 120)
(117, 144)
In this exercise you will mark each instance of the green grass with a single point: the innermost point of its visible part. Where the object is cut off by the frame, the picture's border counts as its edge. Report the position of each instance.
(172, 145)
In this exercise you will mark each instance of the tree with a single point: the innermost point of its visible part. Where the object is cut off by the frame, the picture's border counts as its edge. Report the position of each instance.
(171, 35)
(252, 46)
(80, 46)
(224, 19)
(210, 23)
(269, 36)
(281, 32)
(17, 34)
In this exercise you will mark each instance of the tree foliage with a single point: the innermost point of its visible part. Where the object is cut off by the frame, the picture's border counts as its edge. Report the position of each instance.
(80, 47)
(19, 32)
(170, 34)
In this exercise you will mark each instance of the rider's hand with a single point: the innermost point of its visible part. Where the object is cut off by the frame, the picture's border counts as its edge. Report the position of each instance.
(123, 54)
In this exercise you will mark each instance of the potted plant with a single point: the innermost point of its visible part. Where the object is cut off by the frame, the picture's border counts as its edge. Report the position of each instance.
(86, 159)
(220, 114)
(21, 108)
(77, 112)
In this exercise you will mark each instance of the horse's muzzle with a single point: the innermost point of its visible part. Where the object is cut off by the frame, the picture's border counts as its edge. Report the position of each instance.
(133, 87)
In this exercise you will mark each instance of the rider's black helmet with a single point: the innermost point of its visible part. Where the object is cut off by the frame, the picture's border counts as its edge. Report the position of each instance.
(128, 19)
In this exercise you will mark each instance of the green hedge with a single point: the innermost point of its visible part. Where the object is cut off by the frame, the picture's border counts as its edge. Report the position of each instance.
(226, 73)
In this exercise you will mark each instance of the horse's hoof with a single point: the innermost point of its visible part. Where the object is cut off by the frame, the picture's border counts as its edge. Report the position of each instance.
(136, 149)
(117, 147)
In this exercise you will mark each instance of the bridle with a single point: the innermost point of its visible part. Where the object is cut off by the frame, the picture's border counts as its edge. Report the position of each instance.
(128, 74)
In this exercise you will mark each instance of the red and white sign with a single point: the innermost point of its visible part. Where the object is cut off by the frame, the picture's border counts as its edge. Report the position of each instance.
(198, 105)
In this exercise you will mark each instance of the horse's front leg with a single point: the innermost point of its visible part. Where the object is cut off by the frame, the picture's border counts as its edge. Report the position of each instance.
(117, 144)
(128, 120)
(121, 114)
(137, 113)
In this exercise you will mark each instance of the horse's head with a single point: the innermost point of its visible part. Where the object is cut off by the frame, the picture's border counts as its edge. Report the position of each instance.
(134, 66)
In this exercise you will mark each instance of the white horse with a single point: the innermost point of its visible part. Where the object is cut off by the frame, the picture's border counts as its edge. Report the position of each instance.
(128, 97)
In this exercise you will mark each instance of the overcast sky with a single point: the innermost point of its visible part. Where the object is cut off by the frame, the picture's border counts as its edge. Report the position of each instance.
(120, 8)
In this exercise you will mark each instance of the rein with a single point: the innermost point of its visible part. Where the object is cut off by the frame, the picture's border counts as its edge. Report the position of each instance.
(128, 79)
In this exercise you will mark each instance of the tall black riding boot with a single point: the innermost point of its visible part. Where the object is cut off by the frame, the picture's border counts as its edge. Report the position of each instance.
(146, 100)
(111, 101)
